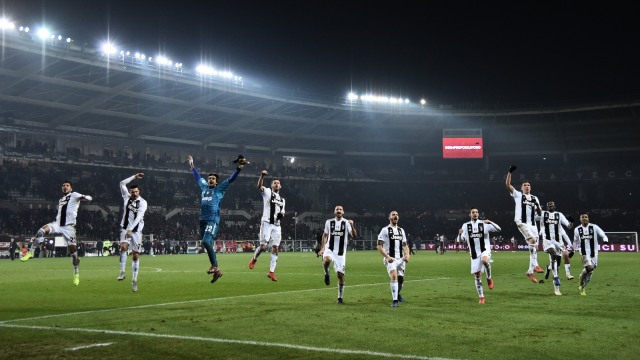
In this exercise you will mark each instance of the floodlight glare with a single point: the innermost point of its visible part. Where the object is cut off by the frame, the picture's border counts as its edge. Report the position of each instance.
(68, 40)
(43, 33)
(109, 49)
(5, 24)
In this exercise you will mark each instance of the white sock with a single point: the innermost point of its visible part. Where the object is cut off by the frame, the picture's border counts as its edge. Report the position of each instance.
(394, 290)
(135, 264)
(567, 269)
(274, 260)
(340, 290)
(479, 287)
(123, 260)
(257, 252)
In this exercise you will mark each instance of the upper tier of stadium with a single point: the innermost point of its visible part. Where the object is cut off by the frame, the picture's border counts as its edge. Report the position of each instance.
(63, 91)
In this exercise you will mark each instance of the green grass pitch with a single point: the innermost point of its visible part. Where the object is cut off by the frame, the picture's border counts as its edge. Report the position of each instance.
(178, 314)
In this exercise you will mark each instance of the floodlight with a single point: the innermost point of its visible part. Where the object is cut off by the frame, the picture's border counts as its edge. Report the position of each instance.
(43, 33)
(68, 40)
(5, 24)
(109, 49)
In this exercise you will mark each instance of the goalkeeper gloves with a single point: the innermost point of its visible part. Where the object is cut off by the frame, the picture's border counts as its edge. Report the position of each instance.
(241, 161)
(512, 168)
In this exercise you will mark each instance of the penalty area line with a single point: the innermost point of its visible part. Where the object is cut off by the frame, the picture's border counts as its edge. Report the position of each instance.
(232, 341)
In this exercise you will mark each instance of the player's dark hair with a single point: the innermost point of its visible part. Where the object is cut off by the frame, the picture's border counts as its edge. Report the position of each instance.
(133, 187)
(526, 181)
(67, 182)
(213, 174)
(583, 212)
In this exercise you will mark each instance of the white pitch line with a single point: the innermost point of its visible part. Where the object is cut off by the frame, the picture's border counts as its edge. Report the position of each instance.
(88, 346)
(232, 341)
(2, 323)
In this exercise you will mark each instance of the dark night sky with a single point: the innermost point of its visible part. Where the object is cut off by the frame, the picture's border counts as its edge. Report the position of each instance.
(471, 51)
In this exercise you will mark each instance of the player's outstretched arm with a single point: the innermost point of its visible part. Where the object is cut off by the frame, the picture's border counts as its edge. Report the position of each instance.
(260, 185)
(507, 183)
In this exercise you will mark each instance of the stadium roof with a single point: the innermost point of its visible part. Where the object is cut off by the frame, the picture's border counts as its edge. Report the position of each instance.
(76, 92)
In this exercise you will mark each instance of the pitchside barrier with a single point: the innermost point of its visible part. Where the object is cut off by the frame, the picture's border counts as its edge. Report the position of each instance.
(619, 241)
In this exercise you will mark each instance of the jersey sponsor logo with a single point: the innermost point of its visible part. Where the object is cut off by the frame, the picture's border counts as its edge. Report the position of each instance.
(396, 237)
(477, 235)
(65, 200)
(586, 237)
(529, 202)
(552, 221)
(133, 207)
(337, 233)
(207, 198)
(278, 202)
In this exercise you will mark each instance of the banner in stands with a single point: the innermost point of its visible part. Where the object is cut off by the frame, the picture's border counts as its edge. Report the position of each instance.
(628, 247)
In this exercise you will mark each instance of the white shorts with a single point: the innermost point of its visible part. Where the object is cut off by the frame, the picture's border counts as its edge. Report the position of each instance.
(339, 262)
(270, 233)
(476, 264)
(590, 261)
(528, 231)
(135, 241)
(68, 232)
(553, 247)
(399, 266)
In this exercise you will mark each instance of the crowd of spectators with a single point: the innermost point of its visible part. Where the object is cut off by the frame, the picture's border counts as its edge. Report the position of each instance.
(428, 205)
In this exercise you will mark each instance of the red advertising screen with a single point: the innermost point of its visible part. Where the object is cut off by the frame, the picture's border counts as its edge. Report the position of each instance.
(462, 147)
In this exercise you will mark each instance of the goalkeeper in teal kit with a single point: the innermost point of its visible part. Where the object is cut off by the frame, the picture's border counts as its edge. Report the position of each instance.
(212, 194)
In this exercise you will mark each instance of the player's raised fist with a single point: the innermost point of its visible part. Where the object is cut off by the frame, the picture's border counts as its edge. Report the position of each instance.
(512, 168)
